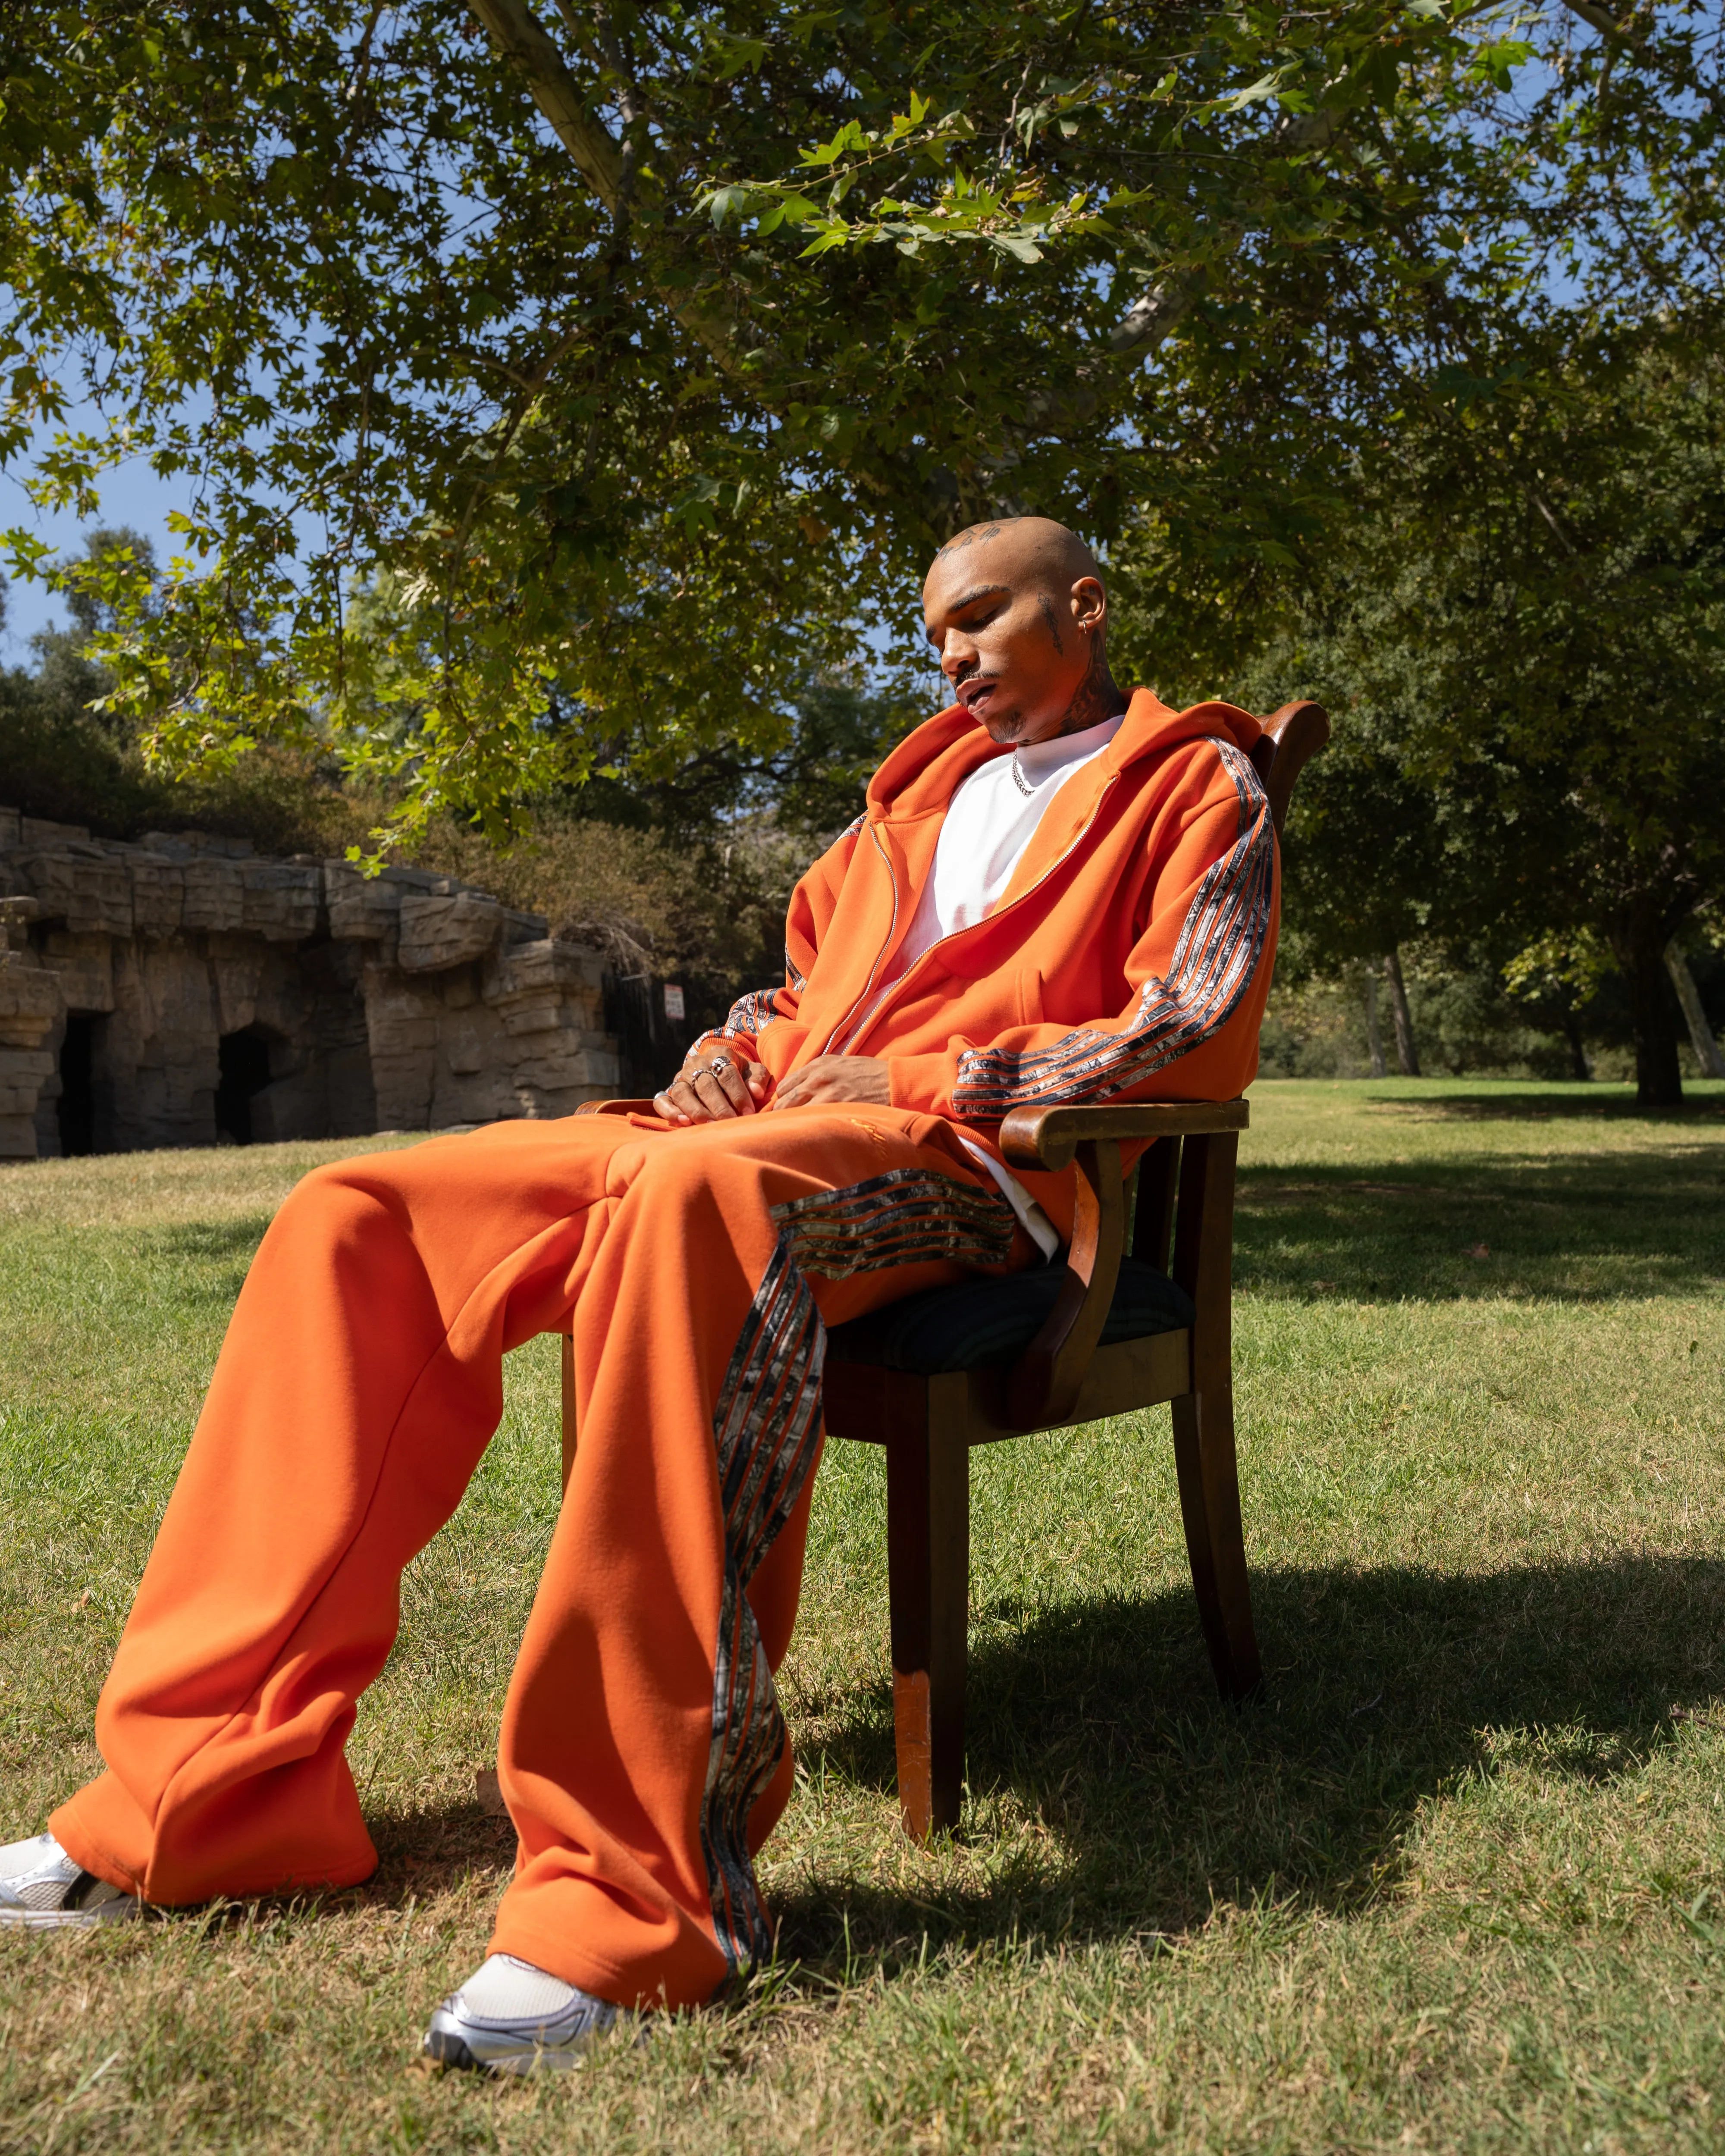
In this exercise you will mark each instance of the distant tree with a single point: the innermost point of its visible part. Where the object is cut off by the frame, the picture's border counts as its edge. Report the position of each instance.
(59, 756)
(1525, 636)
(809, 782)
(1365, 866)
(66, 754)
(116, 579)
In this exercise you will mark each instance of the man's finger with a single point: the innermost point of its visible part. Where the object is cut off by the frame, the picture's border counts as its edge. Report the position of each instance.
(688, 1101)
(711, 1094)
(678, 1104)
(735, 1085)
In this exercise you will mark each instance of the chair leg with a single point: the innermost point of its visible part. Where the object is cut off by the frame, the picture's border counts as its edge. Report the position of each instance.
(1215, 1536)
(928, 1576)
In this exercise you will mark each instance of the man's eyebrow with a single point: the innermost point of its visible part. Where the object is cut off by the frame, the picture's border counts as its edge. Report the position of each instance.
(970, 599)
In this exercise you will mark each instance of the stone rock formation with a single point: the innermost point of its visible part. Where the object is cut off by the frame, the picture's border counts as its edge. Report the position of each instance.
(183, 989)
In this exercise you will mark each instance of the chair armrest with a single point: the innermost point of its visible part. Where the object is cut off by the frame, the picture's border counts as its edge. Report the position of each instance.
(1044, 1384)
(1049, 1138)
(1046, 1380)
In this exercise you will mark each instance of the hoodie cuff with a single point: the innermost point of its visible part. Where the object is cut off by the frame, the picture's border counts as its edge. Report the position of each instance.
(732, 1043)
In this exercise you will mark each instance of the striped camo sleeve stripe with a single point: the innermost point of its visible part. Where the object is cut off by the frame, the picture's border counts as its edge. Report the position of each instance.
(1220, 945)
(750, 1012)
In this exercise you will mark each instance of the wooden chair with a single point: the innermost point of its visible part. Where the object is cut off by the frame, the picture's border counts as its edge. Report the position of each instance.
(1104, 1335)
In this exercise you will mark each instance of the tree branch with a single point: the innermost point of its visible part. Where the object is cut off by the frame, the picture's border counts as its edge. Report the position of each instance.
(1624, 35)
(1600, 19)
(522, 40)
(1157, 313)
(518, 35)
(1549, 514)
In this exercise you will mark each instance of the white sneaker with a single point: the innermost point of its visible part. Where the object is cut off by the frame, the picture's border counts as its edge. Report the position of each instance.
(511, 2017)
(41, 1888)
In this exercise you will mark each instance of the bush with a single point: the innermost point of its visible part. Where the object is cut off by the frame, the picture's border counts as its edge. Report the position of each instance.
(59, 760)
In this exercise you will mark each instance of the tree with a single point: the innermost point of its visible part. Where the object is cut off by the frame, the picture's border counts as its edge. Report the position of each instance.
(516, 366)
(1364, 864)
(1529, 632)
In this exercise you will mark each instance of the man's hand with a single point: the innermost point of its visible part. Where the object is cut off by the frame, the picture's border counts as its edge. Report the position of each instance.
(836, 1078)
(711, 1086)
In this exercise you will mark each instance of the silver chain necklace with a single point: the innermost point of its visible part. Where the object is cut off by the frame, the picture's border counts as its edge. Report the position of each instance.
(1019, 778)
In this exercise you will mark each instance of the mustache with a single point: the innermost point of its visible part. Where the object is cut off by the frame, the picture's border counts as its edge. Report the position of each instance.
(975, 679)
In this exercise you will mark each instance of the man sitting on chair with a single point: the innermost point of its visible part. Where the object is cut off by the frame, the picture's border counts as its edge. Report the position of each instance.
(1055, 893)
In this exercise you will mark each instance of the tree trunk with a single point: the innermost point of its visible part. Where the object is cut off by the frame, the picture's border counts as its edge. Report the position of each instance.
(1640, 945)
(1579, 1067)
(1374, 1036)
(1406, 1052)
(1701, 1033)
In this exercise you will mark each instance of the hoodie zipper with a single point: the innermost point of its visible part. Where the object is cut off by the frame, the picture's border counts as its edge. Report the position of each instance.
(874, 1012)
(828, 1048)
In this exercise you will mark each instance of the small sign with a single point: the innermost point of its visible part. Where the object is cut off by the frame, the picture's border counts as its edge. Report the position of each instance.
(674, 1002)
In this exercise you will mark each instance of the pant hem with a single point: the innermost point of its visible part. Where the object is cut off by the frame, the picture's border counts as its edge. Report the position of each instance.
(73, 1837)
(594, 1975)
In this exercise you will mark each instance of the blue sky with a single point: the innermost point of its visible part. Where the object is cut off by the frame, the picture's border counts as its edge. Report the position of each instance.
(131, 494)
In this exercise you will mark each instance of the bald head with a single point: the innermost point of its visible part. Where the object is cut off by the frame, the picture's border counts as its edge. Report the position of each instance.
(1033, 546)
(1018, 614)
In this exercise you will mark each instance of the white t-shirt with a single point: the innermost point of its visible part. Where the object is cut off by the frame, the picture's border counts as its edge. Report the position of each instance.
(989, 822)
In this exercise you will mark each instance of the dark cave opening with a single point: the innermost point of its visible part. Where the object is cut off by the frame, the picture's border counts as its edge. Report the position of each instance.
(76, 1106)
(243, 1059)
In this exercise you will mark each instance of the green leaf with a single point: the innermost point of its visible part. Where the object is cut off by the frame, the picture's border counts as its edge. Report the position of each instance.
(1266, 86)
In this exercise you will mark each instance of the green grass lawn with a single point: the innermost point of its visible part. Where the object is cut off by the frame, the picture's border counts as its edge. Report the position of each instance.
(1456, 1882)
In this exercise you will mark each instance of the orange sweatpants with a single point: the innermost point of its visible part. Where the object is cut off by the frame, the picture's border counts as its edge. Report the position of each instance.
(643, 1754)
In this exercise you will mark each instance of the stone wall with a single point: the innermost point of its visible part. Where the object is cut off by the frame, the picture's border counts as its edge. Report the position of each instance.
(183, 989)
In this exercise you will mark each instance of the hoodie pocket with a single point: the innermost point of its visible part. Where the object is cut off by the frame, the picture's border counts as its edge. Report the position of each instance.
(1027, 996)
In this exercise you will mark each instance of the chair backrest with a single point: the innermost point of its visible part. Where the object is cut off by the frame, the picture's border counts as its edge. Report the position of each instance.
(1292, 735)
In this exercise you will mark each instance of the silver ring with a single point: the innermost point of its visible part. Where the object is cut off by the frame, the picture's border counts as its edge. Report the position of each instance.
(719, 1065)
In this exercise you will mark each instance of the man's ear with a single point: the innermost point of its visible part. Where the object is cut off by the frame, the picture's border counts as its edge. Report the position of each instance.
(1090, 604)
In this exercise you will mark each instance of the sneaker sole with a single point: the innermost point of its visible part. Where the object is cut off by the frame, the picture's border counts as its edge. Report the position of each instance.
(445, 2048)
(69, 1920)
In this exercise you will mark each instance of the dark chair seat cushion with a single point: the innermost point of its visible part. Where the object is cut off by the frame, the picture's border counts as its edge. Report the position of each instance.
(993, 1321)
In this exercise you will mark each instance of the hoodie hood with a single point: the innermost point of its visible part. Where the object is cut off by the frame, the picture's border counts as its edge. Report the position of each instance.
(929, 765)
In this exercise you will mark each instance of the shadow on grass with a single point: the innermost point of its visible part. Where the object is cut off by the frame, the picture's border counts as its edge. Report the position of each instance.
(1102, 1717)
(420, 1853)
(1384, 1688)
(1566, 1226)
(210, 1258)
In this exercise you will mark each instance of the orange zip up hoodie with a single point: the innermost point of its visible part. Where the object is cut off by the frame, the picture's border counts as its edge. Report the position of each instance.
(1128, 958)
